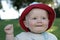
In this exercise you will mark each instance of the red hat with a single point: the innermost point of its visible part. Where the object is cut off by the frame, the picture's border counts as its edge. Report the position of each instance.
(51, 14)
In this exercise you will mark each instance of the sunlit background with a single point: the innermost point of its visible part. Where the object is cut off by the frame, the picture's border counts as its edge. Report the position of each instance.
(10, 11)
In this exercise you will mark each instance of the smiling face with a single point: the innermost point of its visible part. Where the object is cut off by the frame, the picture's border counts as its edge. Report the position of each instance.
(37, 20)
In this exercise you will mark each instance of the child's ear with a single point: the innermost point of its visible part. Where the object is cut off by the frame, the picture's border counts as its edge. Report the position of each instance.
(25, 23)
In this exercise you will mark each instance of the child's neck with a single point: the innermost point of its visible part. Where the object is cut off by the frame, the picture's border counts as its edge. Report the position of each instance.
(37, 33)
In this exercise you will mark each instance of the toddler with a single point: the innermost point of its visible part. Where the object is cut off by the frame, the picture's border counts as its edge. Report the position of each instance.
(36, 19)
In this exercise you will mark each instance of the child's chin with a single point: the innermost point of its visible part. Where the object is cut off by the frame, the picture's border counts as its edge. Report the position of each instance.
(39, 32)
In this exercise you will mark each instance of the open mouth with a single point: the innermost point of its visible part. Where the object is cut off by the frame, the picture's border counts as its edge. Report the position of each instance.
(38, 25)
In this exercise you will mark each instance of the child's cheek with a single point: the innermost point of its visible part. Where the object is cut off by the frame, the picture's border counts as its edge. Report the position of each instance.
(31, 24)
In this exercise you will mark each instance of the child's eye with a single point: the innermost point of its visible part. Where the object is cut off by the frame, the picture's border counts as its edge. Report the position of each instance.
(43, 18)
(34, 18)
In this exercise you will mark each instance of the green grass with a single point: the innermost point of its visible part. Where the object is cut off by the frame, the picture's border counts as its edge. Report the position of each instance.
(55, 29)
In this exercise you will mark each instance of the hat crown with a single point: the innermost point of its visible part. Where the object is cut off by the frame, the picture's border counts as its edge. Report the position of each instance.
(35, 3)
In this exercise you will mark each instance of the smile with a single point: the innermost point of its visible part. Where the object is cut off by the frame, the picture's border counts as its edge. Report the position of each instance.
(38, 25)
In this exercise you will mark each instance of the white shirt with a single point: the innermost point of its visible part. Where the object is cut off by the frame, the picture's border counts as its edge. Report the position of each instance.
(32, 36)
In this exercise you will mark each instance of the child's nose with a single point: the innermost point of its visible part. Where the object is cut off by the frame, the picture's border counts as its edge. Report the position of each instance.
(39, 21)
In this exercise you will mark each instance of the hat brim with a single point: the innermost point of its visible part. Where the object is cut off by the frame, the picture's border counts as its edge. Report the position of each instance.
(51, 14)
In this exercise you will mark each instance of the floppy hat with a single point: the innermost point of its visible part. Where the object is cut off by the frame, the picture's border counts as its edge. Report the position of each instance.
(51, 14)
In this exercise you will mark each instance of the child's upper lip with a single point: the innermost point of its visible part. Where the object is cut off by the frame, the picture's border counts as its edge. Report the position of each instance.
(38, 25)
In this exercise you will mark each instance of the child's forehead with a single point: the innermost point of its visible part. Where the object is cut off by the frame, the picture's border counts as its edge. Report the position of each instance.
(36, 10)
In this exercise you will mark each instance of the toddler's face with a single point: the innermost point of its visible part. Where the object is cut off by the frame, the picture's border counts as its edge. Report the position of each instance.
(37, 20)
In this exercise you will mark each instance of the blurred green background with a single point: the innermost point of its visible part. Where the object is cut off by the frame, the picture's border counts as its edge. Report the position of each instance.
(55, 29)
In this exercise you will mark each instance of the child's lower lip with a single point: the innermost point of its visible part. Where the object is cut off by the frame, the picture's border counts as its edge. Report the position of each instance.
(38, 25)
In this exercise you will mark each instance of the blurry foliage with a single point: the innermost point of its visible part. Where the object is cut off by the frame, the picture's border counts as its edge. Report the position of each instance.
(24, 3)
(0, 4)
(57, 10)
(19, 3)
(44, 1)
